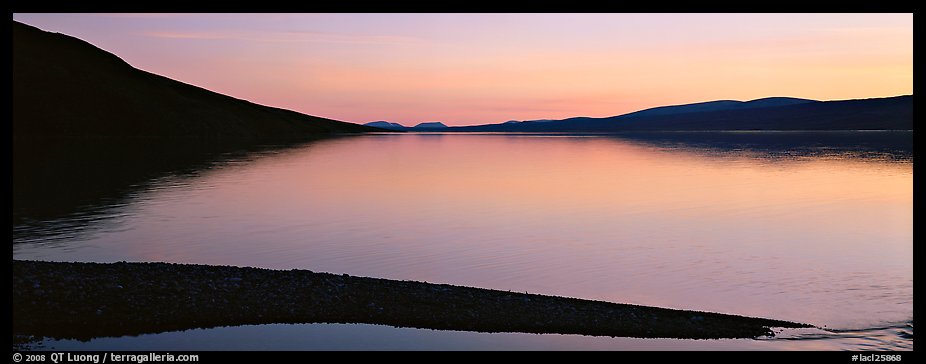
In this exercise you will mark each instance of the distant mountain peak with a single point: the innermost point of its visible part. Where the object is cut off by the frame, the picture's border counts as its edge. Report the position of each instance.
(686, 108)
(770, 113)
(719, 105)
(775, 101)
(431, 125)
(386, 125)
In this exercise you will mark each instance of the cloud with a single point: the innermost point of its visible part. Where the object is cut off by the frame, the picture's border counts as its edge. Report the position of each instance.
(188, 35)
(145, 15)
(289, 36)
(349, 38)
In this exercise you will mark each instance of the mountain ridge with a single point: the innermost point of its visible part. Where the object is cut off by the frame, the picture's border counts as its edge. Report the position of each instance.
(719, 105)
(65, 87)
(770, 113)
(386, 125)
(430, 125)
(424, 126)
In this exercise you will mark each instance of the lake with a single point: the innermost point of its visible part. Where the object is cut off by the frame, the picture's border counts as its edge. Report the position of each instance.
(803, 226)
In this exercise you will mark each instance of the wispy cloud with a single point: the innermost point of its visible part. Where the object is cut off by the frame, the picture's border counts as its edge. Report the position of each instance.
(143, 15)
(349, 38)
(188, 35)
(289, 36)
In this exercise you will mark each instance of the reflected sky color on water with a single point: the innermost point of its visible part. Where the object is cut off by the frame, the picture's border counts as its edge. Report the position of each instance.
(811, 234)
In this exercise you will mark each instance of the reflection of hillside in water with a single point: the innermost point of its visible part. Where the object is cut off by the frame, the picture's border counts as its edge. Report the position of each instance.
(783, 145)
(66, 185)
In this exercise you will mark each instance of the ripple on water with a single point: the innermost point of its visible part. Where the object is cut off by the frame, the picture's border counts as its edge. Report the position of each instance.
(893, 336)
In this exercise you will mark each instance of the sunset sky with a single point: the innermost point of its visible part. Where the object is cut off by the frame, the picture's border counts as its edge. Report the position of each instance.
(488, 68)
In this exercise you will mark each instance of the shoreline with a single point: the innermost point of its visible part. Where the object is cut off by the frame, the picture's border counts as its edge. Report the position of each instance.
(89, 300)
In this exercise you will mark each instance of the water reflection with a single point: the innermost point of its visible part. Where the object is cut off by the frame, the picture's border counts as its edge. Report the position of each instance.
(894, 336)
(787, 144)
(63, 187)
(377, 337)
(809, 227)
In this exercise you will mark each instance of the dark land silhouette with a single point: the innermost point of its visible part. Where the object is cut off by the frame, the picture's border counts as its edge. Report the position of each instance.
(63, 86)
(720, 105)
(386, 125)
(87, 300)
(430, 125)
(425, 126)
(776, 113)
(89, 129)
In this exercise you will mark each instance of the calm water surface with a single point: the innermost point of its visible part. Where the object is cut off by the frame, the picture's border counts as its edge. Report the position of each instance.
(377, 337)
(816, 234)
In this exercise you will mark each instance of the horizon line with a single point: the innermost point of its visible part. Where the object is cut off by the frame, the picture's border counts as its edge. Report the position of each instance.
(627, 113)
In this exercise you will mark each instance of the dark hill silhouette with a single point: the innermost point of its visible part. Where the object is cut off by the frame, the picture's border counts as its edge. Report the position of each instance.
(89, 128)
(430, 125)
(777, 113)
(687, 108)
(63, 86)
(425, 126)
(719, 106)
(386, 125)
(773, 101)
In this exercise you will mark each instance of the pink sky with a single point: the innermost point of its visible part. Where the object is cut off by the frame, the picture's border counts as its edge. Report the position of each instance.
(467, 69)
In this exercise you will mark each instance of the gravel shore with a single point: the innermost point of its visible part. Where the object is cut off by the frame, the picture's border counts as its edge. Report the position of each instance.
(88, 300)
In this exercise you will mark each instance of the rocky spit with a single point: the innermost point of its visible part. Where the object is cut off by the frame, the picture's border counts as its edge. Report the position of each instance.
(88, 300)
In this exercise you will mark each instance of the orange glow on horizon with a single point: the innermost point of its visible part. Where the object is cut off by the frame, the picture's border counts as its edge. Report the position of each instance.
(465, 69)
